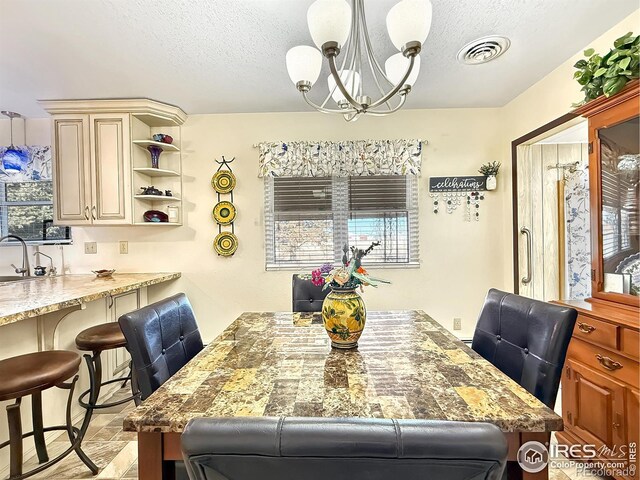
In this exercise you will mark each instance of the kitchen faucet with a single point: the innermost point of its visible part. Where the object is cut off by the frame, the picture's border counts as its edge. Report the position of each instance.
(25, 271)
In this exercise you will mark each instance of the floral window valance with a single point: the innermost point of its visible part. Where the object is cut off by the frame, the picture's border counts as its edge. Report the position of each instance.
(340, 159)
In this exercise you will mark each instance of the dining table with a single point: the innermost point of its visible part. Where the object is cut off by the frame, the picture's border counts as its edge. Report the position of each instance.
(406, 366)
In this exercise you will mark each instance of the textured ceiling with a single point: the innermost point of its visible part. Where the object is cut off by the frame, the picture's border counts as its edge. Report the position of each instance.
(211, 56)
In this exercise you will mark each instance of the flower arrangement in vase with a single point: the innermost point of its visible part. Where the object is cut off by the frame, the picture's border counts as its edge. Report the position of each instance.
(490, 170)
(343, 311)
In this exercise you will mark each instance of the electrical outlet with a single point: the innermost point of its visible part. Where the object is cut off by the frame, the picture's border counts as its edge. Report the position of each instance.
(90, 247)
(457, 324)
(124, 247)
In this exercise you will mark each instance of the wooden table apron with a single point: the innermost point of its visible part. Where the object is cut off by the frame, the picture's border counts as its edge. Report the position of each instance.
(281, 364)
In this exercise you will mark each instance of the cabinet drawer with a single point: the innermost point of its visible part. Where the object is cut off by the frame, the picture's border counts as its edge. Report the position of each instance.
(630, 342)
(595, 331)
(604, 360)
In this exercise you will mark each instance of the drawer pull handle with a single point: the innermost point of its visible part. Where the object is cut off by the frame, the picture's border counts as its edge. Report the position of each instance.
(608, 363)
(585, 327)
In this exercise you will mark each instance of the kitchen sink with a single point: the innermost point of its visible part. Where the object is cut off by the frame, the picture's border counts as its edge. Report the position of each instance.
(15, 278)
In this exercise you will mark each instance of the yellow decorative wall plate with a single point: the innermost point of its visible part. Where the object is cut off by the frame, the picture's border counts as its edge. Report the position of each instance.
(224, 212)
(223, 181)
(225, 244)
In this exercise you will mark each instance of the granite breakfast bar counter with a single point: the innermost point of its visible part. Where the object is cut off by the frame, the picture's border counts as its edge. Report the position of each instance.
(47, 313)
(281, 364)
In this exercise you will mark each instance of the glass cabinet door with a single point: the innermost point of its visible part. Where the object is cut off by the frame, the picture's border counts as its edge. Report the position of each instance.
(620, 229)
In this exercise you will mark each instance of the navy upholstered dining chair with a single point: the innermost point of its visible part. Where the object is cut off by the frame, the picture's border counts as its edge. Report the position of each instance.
(306, 296)
(161, 337)
(271, 448)
(526, 339)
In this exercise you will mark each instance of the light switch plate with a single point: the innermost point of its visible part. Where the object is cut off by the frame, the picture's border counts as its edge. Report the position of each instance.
(124, 247)
(457, 324)
(90, 247)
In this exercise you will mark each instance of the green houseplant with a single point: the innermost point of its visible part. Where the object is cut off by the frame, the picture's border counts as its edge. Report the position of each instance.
(490, 170)
(607, 75)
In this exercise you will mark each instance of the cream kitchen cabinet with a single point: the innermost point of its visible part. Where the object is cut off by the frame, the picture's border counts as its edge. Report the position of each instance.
(92, 158)
(101, 160)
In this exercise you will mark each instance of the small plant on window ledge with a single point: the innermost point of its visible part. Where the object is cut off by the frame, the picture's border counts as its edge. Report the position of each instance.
(490, 170)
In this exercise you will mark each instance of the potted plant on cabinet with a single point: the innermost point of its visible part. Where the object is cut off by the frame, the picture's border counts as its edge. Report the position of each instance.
(608, 74)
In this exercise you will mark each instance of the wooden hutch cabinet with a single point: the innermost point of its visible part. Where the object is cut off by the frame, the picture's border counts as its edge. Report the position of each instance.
(600, 395)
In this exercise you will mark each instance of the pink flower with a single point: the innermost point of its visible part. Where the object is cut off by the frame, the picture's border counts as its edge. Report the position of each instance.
(316, 278)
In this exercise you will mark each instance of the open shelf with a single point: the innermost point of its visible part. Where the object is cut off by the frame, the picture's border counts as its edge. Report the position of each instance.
(159, 224)
(164, 146)
(157, 198)
(156, 172)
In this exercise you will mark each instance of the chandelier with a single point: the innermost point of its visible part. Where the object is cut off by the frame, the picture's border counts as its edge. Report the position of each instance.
(339, 30)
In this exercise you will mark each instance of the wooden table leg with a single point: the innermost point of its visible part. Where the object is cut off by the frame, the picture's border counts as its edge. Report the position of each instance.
(515, 441)
(150, 465)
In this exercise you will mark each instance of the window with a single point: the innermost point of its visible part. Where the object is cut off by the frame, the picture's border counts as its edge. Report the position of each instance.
(618, 213)
(309, 219)
(26, 210)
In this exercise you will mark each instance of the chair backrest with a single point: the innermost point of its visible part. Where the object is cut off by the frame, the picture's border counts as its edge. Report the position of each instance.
(269, 448)
(527, 339)
(306, 296)
(161, 337)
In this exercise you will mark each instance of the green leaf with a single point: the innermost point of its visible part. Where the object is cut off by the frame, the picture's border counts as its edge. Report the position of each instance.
(580, 64)
(600, 72)
(613, 86)
(624, 40)
(588, 52)
(624, 63)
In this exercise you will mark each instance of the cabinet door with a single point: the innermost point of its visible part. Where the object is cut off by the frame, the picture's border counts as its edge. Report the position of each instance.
(111, 169)
(124, 303)
(597, 408)
(72, 170)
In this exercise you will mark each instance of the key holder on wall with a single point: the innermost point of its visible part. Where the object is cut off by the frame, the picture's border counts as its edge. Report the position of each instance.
(224, 212)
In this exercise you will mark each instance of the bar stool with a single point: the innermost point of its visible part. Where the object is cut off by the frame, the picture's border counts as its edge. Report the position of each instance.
(96, 339)
(30, 374)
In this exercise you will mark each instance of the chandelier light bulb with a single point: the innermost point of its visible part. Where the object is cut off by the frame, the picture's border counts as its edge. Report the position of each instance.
(351, 81)
(396, 66)
(329, 21)
(304, 64)
(409, 21)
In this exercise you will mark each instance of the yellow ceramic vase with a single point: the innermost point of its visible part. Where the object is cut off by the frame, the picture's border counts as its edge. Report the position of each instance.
(344, 316)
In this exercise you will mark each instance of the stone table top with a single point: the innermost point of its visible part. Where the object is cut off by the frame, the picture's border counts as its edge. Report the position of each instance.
(281, 364)
(31, 298)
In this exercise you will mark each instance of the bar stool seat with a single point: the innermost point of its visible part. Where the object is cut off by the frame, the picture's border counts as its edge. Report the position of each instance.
(30, 374)
(101, 337)
(97, 339)
(25, 374)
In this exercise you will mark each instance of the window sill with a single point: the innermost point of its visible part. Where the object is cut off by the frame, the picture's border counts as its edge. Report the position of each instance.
(6, 243)
(370, 266)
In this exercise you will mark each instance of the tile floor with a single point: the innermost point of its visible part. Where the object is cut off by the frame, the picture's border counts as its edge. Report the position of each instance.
(116, 452)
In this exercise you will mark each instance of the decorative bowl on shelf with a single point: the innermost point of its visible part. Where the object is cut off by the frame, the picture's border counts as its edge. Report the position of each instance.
(103, 273)
(155, 216)
(163, 137)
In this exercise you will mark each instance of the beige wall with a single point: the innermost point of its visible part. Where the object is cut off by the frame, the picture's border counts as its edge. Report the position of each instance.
(460, 260)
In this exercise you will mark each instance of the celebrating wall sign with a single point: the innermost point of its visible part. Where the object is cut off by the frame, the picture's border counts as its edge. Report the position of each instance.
(451, 192)
(458, 184)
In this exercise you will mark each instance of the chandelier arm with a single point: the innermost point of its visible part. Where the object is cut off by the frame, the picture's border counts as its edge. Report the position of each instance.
(345, 52)
(403, 99)
(397, 88)
(326, 110)
(343, 90)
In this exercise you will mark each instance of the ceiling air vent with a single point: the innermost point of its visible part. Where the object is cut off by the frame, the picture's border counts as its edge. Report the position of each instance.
(483, 50)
